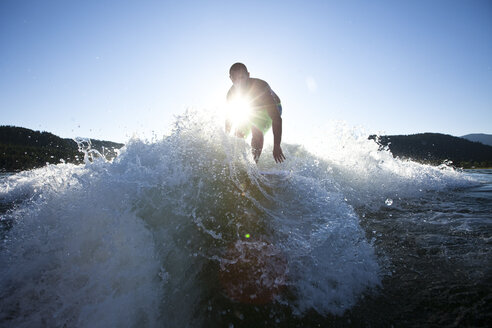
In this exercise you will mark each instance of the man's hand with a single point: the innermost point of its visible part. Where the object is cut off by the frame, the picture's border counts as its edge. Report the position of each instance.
(278, 155)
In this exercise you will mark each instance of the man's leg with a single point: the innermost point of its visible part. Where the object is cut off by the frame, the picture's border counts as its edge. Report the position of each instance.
(256, 143)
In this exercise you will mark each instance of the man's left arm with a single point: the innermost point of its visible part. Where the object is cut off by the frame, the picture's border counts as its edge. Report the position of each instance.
(274, 114)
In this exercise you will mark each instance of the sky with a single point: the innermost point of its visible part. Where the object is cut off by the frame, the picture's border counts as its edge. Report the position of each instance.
(113, 70)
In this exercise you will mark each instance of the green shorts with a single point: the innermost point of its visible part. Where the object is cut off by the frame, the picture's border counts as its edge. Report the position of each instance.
(260, 119)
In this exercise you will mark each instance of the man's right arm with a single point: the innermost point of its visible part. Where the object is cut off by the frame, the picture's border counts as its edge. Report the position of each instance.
(227, 126)
(227, 121)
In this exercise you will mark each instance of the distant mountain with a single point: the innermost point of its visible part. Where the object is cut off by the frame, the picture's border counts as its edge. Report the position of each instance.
(486, 139)
(24, 149)
(435, 148)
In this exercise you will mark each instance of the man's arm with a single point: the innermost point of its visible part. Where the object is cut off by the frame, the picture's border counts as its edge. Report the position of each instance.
(276, 122)
(227, 121)
(272, 110)
(227, 125)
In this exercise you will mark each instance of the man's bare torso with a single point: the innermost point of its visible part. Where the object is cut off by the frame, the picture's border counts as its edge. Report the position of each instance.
(257, 91)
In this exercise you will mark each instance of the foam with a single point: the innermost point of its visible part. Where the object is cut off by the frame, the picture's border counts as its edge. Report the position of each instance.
(138, 241)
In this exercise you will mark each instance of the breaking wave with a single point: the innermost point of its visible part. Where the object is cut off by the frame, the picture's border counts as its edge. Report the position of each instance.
(178, 231)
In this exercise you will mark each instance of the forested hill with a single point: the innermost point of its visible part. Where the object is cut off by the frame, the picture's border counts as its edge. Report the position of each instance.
(24, 149)
(435, 148)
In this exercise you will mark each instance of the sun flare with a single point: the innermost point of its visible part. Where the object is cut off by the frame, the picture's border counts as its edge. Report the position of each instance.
(239, 111)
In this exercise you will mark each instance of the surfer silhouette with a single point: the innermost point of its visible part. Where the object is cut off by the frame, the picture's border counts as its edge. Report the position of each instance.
(254, 108)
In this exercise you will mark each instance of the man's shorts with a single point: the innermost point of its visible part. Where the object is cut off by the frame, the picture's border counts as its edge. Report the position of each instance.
(260, 119)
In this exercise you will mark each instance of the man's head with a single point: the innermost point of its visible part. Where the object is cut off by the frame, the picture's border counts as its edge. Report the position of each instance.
(239, 75)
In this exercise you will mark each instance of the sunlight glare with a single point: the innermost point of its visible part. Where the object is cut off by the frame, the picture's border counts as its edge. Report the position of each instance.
(239, 111)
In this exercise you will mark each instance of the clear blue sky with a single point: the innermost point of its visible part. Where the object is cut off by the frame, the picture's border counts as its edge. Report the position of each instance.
(109, 69)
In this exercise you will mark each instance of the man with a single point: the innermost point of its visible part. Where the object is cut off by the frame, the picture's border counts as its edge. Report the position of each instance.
(265, 111)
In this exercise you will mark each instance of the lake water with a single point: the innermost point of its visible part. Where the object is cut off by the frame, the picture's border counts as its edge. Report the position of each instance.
(186, 232)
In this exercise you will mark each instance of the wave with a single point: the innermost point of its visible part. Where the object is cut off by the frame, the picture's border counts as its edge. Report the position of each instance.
(176, 229)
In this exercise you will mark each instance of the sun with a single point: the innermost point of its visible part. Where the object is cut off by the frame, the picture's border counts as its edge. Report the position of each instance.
(239, 111)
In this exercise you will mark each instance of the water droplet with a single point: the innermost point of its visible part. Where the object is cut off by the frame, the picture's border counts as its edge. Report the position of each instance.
(388, 201)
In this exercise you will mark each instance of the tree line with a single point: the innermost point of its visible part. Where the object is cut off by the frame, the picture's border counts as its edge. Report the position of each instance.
(25, 149)
(436, 148)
